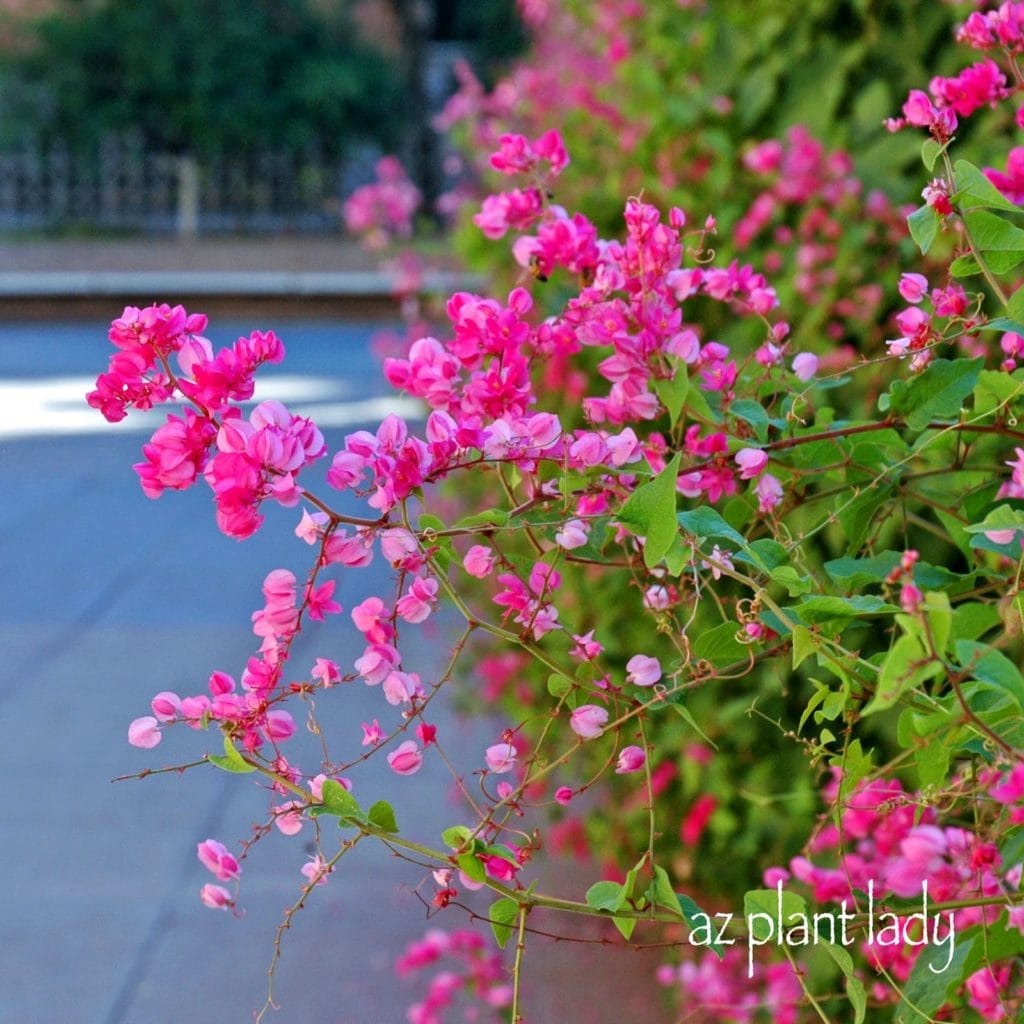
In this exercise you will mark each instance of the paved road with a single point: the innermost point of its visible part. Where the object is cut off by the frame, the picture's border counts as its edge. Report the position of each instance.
(107, 597)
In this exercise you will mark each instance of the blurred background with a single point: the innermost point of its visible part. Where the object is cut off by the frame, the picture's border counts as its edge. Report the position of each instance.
(198, 151)
(224, 115)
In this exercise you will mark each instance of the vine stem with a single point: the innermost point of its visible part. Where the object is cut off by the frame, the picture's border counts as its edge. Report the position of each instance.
(985, 269)
(517, 967)
(803, 984)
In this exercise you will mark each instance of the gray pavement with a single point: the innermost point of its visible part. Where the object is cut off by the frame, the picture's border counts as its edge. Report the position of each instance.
(107, 597)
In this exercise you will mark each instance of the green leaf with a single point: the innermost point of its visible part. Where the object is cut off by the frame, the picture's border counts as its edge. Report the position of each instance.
(558, 685)
(820, 693)
(472, 867)
(939, 614)
(992, 667)
(937, 393)
(974, 619)
(856, 516)
(1004, 323)
(930, 152)
(707, 524)
(611, 896)
(906, 665)
(503, 915)
(994, 390)
(456, 837)
(974, 189)
(678, 556)
(768, 554)
(336, 799)
(822, 608)
(692, 912)
(664, 895)
(805, 643)
(965, 266)
(923, 224)
(719, 645)
(795, 584)
(854, 764)
(232, 760)
(753, 413)
(854, 986)
(604, 896)
(931, 984)
(382, 814)
(489, 517)
(1000, 243)
(673, 392)
(1003, 517)
(651, 512)
(932, 762)
(778, 905)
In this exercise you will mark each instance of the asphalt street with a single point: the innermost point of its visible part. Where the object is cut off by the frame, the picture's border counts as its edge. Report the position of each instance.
(107, 597)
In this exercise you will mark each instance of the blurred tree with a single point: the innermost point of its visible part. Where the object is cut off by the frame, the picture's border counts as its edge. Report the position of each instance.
(203, 76)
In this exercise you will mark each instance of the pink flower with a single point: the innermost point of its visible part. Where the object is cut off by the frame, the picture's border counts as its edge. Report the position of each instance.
(631, 759)
(573, 534)
(216, 897)
(406, 759)
(913, 287)
(501, 757)
(143, 732)
(588, 721)
(288, 817)
(769, 493)
(418, 601)
(372, 734)
(280, 726)
(499, 868)
(751, 461)
(697, 818)
(564, 795)
(479, 561)
(166, 706)
(642, 670)
(215, 857)
(805, 366)
(402, 687)
(317, 870)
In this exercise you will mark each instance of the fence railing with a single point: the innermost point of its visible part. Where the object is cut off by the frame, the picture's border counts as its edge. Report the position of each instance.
(125, 188)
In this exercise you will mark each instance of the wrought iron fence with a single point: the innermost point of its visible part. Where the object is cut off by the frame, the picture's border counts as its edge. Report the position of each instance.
(123, 187)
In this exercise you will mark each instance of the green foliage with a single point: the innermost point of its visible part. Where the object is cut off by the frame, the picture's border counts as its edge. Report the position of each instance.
(211, 76)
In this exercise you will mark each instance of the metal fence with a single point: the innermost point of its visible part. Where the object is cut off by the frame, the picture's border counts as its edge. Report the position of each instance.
(122, 187)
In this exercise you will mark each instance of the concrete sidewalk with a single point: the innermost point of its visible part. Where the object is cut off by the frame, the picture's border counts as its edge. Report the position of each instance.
(315, 276)
(106, 598)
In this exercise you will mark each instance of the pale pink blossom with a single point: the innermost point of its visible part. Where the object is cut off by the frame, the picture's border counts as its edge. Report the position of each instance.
(642, 670)
(216, 897)
(501, 757)
(751, 462)
(317, 870)
(805, 366)
(574, 534)
(479, 561)
(588, 721)
(144, 732)
(406, 759)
